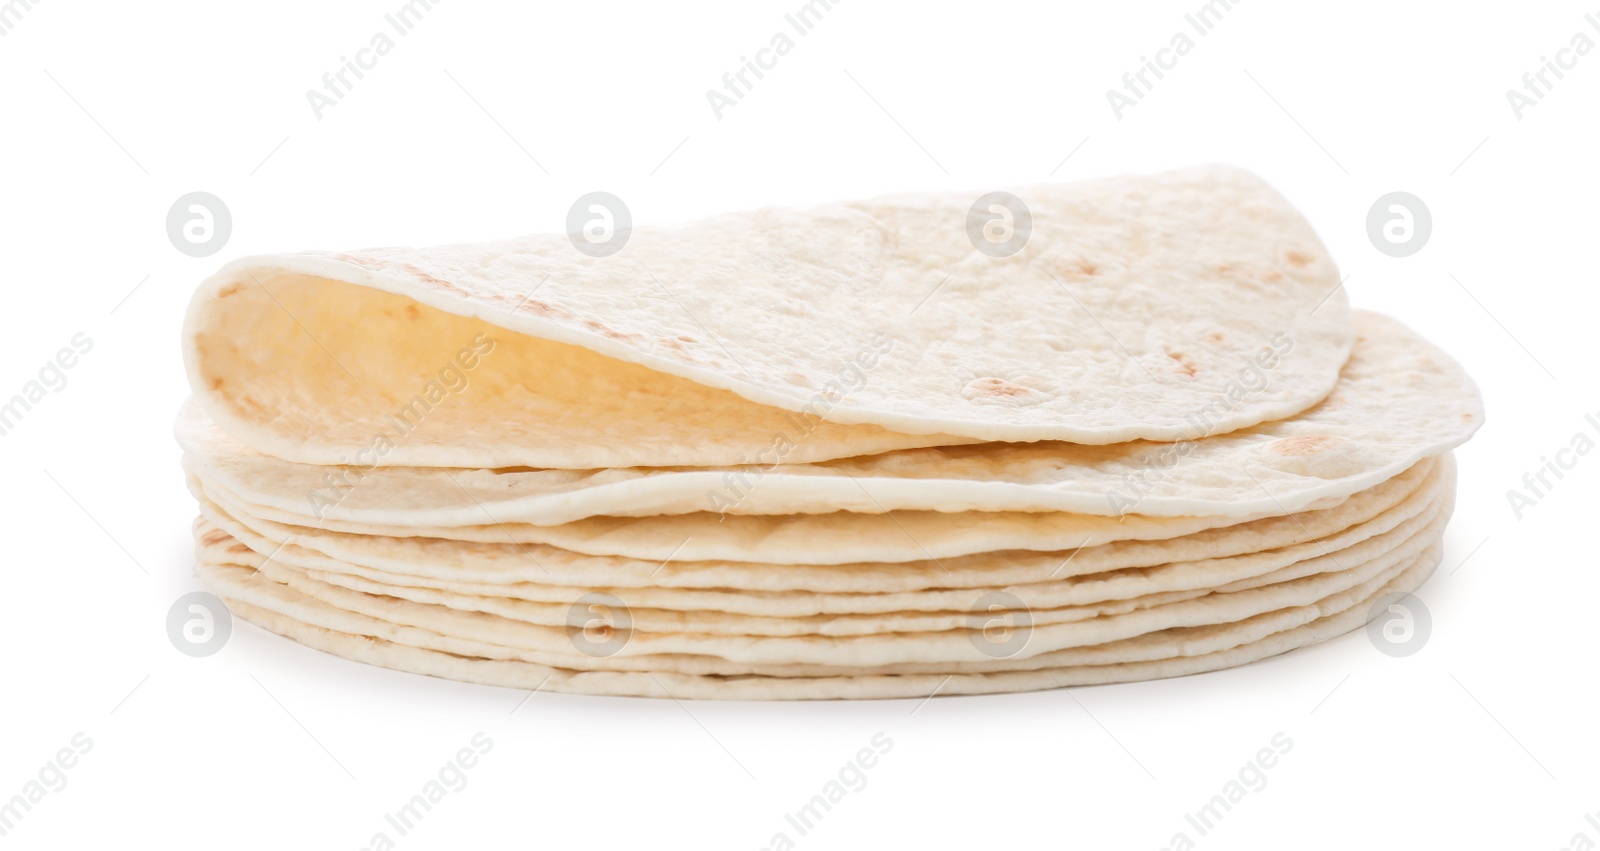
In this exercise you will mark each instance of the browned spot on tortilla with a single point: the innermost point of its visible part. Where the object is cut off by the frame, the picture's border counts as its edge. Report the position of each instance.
(1184, 363)
(1229, 270)
(254, 408)
(1296, 259)
(1215, 338)
(231, 289)
(541, 308)
(1077, 267)
(377, 264)
(1466, 417)
(607, 331)
(363, 261)
(216, 383)
(1305, 444)
(412, 312)
(432, 280)
(995, 388)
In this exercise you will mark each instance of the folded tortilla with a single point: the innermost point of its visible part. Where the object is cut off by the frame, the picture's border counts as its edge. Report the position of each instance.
(794, 335)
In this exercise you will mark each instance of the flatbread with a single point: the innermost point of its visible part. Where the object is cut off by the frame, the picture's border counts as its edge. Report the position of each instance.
(850, 613)
(891, 648)
(1198, 650)
(857, 450)
(1197, 561)
(1399, 399)
(1043, 602)
(838, 538)
(713, 342)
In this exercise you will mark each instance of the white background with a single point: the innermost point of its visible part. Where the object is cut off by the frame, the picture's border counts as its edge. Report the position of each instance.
(113, 110)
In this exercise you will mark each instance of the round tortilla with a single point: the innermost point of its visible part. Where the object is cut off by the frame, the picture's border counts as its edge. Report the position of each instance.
(712, 342)
(1399, 399)
(1207, 649)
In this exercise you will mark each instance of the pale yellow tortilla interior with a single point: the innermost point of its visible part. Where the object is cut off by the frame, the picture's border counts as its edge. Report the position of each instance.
(341, 364)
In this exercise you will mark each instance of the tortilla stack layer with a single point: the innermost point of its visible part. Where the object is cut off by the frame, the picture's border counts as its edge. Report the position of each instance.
(848, 451)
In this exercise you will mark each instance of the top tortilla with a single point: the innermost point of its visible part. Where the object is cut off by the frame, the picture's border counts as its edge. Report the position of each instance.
(1136, 309)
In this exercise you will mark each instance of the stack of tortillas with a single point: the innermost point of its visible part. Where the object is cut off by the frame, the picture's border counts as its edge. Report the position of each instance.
(847, 451)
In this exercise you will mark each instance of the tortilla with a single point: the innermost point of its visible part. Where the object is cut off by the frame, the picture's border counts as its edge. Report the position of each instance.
(887, 648)
(1041, 603)
(370, 641)
(1191, 561)
(1399, 399)
(949, 443)
(717, 341)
